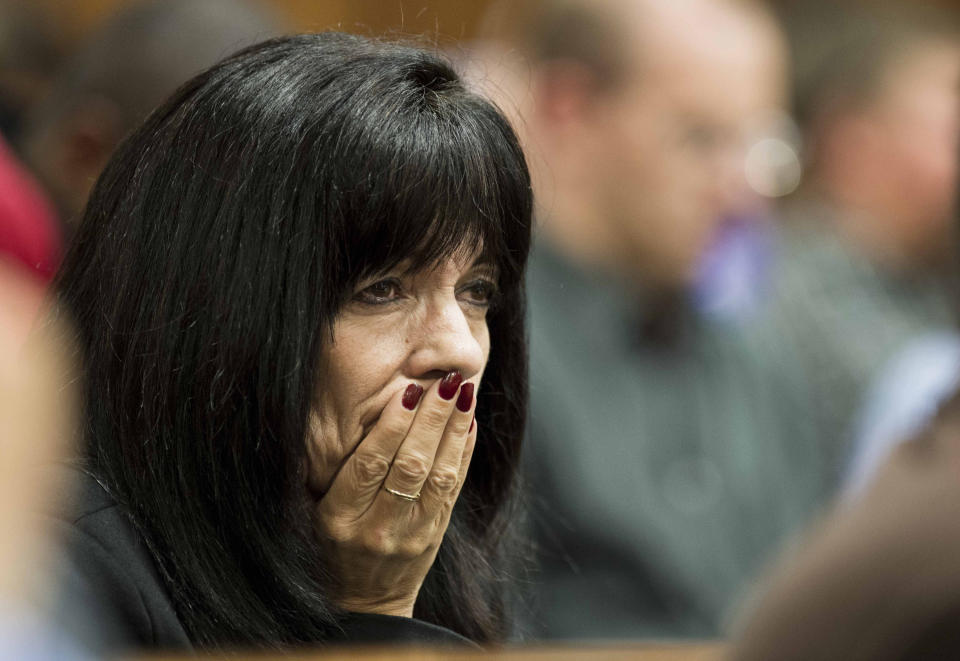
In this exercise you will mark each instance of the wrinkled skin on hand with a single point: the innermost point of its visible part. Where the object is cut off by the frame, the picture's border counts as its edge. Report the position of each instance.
(381, 545)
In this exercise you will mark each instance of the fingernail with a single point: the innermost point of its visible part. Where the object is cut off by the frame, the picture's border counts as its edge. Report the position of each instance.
(450, 384)
(411, 396)
(472, 423)
(466, 397)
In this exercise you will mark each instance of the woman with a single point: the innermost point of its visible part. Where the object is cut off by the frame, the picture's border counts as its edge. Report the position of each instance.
(288, 284)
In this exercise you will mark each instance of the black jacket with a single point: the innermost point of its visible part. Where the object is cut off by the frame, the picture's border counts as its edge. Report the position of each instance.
(113, 599)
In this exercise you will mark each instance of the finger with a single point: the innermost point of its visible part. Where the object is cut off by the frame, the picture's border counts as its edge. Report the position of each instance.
(414, 459)
(360, 479)
(465, 458)
(444, 479)
(467, 454)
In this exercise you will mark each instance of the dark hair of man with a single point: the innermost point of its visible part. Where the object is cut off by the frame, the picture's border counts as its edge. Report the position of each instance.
(584, 32)
(215, 252)
(144, 51)
(842, 52)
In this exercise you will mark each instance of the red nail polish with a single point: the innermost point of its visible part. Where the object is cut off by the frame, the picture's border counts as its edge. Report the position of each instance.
(466, 397)
(450, 384)
(411, 396)
(472, 423)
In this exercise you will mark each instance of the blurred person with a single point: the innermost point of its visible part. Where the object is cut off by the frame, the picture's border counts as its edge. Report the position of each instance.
(126, 68)
(298, 289)
(29, 57)
(865, 262)
(667, 456)
(900, 401)
(731, 282)
(29, 229)
(877, 579)
(36, 416)
(873, 242)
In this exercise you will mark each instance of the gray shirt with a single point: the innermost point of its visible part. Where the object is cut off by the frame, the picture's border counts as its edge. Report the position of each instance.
(662, 472)
(845, 315)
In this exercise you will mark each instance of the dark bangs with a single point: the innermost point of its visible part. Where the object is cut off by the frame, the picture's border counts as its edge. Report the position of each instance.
(423, 180)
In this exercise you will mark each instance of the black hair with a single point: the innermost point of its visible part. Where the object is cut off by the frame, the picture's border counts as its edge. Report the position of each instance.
(215, 252)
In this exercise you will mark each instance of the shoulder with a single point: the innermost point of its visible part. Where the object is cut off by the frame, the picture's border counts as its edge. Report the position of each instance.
(106, 567)
(904, 398)
(375, 628)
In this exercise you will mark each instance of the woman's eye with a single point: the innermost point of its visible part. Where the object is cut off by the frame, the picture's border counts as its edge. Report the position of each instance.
(379, 293)
(479, 292)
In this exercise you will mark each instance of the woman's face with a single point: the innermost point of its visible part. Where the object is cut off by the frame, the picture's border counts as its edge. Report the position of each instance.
(397, 329)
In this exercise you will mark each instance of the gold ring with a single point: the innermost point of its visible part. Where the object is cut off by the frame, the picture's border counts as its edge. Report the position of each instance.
(400, 494)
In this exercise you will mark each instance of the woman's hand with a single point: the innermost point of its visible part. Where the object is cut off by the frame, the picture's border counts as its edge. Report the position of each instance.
(380, 542)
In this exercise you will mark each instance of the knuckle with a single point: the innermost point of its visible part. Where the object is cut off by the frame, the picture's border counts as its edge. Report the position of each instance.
(413, 548)
(396, 427)
(411, 467)
(335, 527)
(370, 469)
(336, 531)
(444, 480)
(436, 418)
(380, 542)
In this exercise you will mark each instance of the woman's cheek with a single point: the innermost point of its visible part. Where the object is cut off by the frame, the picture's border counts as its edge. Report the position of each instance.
(322, 438)
(360, 363)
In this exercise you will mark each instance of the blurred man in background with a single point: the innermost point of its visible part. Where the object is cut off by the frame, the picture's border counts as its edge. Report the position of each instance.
(667, 457)
(124, 70)
(868, 249)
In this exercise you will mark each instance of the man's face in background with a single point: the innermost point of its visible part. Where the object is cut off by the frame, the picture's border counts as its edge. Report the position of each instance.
(917, 124)
(674, 134)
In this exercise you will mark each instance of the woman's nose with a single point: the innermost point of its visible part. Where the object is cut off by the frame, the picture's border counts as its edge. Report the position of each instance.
(446, 341)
